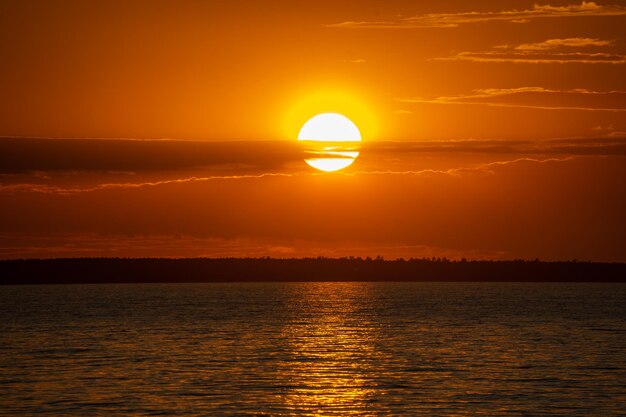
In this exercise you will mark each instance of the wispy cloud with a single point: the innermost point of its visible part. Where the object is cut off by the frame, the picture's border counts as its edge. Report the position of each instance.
(62, 190)
(16, 246)
(537, 58)
(526, 97)
(560, 43)
(486, 168)
(20, 188)
(606, 145)
(550, 51)
(451, 20)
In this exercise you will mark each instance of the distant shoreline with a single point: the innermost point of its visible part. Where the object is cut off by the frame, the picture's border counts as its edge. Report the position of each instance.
(189, 270)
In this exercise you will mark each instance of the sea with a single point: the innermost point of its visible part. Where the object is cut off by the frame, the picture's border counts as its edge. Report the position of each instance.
(313, 349)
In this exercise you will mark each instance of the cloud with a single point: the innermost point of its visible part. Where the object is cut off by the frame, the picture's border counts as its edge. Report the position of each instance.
(559, 43)
(399, 157)
(494, 206)
(486, 168)
(19, 246)
(97, 245)
(537, 58)
(608, 145)
(450, 20)
(48, 188)
(550, 51)
(483, 168)
(65, 190)
(124, 155)
(535, 98)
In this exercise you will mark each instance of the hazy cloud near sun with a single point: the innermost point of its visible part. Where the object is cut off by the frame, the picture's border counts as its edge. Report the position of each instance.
(45, 167)
(451, 20)
(45, 157)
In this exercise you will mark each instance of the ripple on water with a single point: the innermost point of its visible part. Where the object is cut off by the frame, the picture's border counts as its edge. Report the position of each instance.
(340, 349)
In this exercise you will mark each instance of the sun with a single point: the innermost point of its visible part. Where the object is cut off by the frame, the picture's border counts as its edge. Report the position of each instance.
(332, 141)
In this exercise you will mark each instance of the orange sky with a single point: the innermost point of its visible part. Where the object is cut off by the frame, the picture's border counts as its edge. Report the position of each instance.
(491, 129)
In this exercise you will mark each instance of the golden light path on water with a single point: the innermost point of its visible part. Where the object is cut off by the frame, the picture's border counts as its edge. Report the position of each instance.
(332, 352)
(331, 141)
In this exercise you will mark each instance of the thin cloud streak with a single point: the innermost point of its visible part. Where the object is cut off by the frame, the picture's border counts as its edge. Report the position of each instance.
(16, 246)
(609, 145)
(67, 191)
(452, 20)
(481, 97)
(533, 58)
(48, 189)
(560, 43)
(478, 169)
(550, 51)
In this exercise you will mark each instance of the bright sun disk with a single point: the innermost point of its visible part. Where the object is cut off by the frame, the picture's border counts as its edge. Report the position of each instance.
(332, 141)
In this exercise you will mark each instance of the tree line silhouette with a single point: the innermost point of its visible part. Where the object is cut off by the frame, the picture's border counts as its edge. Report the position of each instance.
(154, 270)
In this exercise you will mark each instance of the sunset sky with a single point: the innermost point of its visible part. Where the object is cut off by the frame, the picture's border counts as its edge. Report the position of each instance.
(491, 129)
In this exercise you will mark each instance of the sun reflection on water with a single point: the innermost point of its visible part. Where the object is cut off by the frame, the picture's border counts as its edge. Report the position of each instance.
(330, 349)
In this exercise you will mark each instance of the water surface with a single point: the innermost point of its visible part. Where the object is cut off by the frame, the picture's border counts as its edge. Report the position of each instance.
(284, 349)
